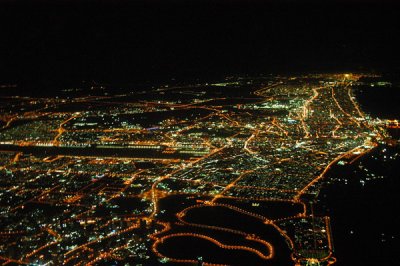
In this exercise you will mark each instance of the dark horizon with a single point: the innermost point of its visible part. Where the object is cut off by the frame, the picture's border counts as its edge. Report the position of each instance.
(124, 42)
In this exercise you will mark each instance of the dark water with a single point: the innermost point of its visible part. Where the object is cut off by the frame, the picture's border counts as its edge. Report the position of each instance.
(268, 209)
(382, 102)
(190, 248)
(363, 198)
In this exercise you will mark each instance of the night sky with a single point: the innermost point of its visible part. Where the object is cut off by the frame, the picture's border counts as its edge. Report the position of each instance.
(64, 42)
